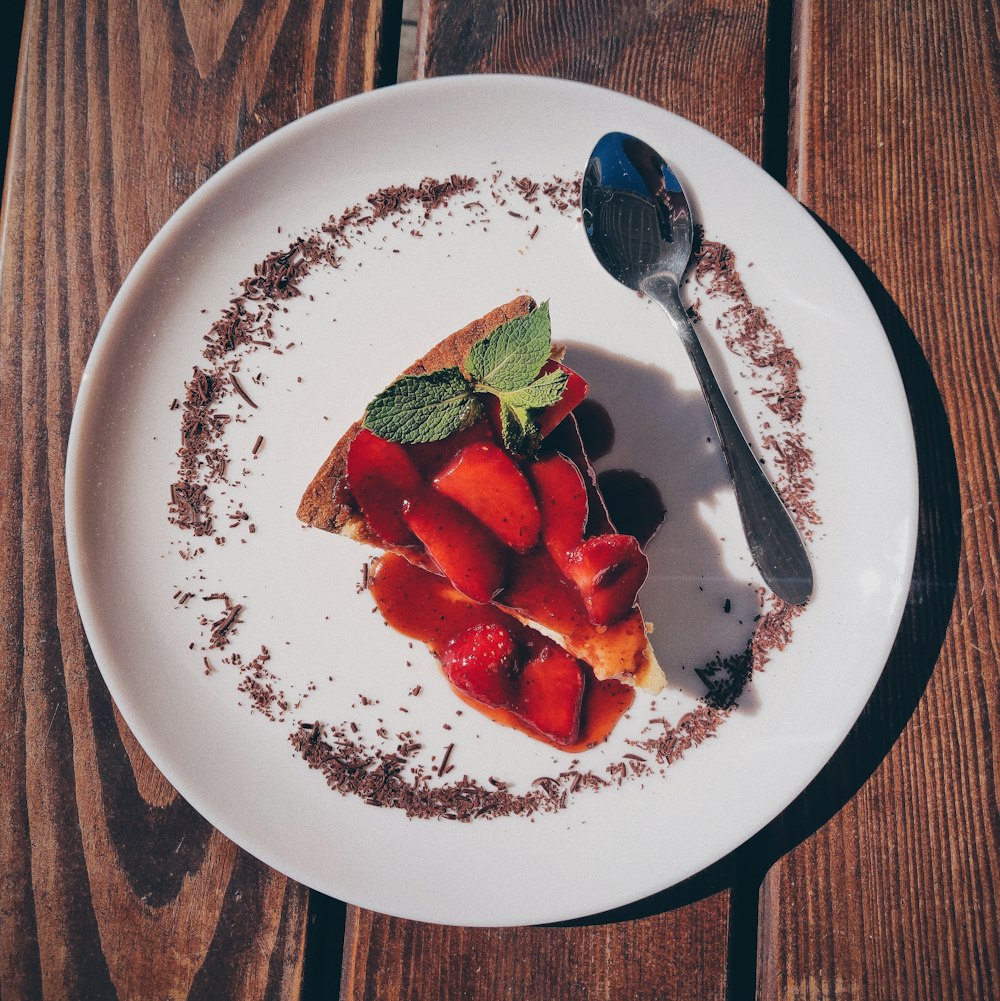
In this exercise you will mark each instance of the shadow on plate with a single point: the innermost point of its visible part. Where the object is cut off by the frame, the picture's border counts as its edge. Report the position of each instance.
(906, 673)
(696, 577)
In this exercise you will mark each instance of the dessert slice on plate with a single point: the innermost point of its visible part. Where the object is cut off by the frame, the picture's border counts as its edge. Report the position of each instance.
(469, 471)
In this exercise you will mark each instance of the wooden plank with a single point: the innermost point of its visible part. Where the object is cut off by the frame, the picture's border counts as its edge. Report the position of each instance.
(671, 54)
(667, 54)
(676, 955)
(110, 885)
(896, 116)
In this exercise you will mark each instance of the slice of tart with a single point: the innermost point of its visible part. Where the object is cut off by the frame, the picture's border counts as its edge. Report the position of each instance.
(471, 471)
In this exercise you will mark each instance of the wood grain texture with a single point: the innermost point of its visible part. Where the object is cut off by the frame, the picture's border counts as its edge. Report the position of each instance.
(897, 110)
(667, 956)
(110, 885)
(666, 54)
(680, 56)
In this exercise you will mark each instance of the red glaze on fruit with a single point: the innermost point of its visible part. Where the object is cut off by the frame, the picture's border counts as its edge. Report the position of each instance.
(485, 503)
(381, 476)
(576, 389)
(562, 499)
(608, 570)
(566, 439)
(432, 456)
(482, 663)
(485, 480)
(550, 691)
(536, 590)
(426, 607)
(468, 554)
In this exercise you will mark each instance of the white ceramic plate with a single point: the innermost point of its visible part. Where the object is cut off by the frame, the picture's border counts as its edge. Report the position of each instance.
(365, 322)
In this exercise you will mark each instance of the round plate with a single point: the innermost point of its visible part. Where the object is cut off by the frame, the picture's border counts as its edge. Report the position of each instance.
(394, 295)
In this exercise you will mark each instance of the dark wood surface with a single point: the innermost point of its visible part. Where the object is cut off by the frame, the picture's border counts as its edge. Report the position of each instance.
(110, 884)
(894, 146)
(882, 880)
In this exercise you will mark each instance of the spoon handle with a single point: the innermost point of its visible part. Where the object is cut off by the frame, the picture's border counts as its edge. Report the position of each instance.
(775, 544)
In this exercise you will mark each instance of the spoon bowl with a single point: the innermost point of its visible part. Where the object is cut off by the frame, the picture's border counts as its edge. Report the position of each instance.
(639, 224)
(636, 214)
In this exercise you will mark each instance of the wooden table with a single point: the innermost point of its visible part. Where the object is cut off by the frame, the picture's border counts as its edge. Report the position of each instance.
(882, 881)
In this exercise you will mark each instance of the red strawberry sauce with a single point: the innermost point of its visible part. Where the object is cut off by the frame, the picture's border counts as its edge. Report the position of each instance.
(427, 608)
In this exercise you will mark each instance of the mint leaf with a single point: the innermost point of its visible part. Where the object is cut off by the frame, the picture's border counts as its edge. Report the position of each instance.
(420, 408)
(514, 353)
(543, 392)
(505, 364)
(519, 429)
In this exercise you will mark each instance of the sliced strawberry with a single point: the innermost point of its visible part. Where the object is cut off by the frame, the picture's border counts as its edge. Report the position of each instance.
(608, 570)
(576, 389)
(567, 439)
(432, 456)
(485, 480)
(550, 694)
(481, 662)
(469, 555)
(562, 499)
(381, 476)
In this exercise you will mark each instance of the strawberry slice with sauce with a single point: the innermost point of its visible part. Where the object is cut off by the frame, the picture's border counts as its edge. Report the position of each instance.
(545, 691)
(608, 570)
(381, 476)
(481, 662)
(576, 389)
(562, 500)
(550, 690)
(486, 481)
(469, 555)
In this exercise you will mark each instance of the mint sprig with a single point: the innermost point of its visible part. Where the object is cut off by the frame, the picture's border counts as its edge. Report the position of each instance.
(505, 364)
(419, 408)
(511, 356)
(543, 392)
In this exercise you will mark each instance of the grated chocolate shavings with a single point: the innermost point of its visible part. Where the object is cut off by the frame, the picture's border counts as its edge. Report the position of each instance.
(726, 677)
(190, 507)
(672, 742)
(261, 685)
(443, 767)
(774, 374)
(279, 274)
(241, 391)
(221, 628)
(394, 781)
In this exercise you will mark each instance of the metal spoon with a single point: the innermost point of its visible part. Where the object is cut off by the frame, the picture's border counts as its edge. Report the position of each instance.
(639, 224)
